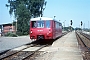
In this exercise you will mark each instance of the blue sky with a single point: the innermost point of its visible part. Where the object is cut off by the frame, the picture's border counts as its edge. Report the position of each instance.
(77, 10)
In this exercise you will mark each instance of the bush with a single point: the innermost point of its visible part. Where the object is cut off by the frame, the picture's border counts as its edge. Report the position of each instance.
(19, 33)
(11, 35)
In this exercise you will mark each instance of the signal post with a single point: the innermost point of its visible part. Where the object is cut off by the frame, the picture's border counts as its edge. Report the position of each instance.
(71, 25)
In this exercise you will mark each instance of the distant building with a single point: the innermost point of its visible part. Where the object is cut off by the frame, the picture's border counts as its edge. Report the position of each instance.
(5, 28)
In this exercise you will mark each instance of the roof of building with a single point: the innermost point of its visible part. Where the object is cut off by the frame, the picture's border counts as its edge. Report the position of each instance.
(9, 24)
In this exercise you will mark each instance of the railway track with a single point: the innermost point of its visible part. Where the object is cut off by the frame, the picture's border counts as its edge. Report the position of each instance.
(20, 53)
(6, 53)
(84, 43)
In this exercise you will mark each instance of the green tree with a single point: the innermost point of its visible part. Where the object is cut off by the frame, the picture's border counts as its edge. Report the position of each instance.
(23, 10)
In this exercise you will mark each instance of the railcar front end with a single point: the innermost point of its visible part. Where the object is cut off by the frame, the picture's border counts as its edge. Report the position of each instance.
(41, 30)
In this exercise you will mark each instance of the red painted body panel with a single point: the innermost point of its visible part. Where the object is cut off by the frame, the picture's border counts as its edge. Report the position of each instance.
(41, 31)
(56, 31)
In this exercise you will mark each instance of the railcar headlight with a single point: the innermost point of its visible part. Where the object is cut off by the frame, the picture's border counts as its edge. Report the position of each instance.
(31, 32)
(49, 31)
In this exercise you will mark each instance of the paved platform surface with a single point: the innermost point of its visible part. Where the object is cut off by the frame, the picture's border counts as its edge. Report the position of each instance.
(12, 42)
(65, 48)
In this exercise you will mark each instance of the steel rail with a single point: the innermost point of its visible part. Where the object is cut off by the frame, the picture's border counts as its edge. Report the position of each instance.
(5, 56)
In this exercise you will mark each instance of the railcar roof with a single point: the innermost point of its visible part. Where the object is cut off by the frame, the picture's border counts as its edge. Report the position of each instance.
(42, 18)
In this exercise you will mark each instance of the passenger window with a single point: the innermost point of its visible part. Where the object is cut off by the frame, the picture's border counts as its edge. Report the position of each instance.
(48, 24)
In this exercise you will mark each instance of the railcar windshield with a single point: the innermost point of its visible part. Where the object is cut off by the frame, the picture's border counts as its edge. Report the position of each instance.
(41, 24)
(38, 24)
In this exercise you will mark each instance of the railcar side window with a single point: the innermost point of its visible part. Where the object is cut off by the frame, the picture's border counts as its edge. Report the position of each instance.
(47, 24)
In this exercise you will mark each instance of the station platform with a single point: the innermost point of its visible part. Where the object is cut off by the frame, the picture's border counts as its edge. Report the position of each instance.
(66, 48)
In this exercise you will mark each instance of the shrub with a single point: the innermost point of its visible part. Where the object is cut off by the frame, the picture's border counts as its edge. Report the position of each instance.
(11, 34)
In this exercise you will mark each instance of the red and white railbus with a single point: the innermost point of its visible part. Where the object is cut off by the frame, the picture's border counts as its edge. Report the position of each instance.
(45, 28)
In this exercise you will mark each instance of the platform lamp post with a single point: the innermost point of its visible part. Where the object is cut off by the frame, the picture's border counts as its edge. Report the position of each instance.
(88, 27)
(64, 25)
(16, 25)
